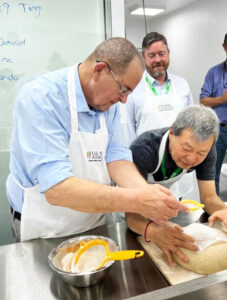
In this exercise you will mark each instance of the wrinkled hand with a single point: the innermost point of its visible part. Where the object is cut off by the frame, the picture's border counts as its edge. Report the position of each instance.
(169, 237)
(219, 215)
(158, 204)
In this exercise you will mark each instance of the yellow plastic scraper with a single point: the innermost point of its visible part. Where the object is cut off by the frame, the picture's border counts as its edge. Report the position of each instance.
(196, 205)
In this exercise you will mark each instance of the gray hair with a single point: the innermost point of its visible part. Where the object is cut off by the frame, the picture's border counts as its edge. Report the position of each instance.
(201, 119)
(117, 52)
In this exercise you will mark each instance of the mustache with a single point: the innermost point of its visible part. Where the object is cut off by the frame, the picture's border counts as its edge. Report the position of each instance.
(158, 65)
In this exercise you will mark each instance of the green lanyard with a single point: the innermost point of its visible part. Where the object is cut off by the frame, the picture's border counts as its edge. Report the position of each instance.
(174, 174)
(153, 88)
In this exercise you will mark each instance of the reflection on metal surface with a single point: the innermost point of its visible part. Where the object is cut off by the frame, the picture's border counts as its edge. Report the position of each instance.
(64, 291)
(25, 273)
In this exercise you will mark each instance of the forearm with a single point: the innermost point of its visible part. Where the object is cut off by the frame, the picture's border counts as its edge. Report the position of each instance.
(213, 203)
(136, 222)
(88, 196)
(125, 174)
(209, 197)
(212, 101)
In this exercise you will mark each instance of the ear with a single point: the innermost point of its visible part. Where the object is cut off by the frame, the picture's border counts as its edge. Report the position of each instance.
(171, 130)
(98, 68)
(224, 47)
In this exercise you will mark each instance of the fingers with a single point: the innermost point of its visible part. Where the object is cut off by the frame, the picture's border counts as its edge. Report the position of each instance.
(179, 254)
(211, 221)
(176, 204)
(183, 208)
(172, 201)
(168, 255)
(164, 190)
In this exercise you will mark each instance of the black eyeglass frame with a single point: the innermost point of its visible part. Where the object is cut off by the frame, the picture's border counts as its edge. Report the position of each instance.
(124, 91)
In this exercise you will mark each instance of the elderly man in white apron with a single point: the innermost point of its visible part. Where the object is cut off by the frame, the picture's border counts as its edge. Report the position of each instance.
(164, 156)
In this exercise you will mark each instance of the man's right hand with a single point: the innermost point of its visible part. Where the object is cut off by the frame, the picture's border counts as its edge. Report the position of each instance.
(158, 204)
(169, 238)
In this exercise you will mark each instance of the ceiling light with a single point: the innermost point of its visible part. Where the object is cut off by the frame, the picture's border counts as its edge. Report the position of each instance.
(148, 11)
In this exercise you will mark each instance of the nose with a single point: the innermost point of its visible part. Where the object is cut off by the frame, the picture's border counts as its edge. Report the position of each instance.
(123, 98)
(157, 58)
(192, 159)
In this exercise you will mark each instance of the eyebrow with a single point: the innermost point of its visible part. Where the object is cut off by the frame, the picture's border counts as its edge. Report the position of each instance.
(191, 147)
(188, 145)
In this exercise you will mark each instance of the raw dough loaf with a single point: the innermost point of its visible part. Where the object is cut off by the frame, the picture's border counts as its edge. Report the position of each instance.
(211, 260)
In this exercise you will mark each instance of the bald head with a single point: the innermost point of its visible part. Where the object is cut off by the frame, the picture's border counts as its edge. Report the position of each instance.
(117, 52)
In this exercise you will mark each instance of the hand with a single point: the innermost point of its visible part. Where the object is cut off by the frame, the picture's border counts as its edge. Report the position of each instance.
(224, 96)
(219, 215)
(169, 238)
(158, 204)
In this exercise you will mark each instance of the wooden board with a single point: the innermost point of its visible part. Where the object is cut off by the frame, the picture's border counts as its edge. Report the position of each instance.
(175, 274)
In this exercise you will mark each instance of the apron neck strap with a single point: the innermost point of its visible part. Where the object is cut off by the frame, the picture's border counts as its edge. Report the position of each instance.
(153, 88)
(174, 173)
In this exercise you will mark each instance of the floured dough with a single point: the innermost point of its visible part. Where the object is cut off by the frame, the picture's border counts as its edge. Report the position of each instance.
(211, 260)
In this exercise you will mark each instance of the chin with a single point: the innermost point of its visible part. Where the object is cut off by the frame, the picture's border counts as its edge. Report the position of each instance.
(184, 166)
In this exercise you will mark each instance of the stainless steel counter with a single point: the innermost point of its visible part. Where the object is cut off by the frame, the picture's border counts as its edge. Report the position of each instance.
(25, 273)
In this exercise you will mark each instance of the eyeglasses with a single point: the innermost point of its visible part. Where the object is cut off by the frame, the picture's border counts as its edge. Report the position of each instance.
(124, 91)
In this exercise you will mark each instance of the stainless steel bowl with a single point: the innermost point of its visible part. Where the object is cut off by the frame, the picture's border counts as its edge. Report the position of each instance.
(81, 279)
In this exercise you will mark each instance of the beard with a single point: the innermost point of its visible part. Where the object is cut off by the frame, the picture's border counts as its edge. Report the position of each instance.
(155, 73)
(158, 74)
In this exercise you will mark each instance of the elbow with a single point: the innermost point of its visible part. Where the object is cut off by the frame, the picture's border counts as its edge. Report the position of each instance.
(51, 197)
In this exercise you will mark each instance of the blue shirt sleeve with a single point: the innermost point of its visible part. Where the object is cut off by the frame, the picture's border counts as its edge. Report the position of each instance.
(207, 87)
(41, 137)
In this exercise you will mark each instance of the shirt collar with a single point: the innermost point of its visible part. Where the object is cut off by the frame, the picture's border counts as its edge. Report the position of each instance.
(82, 105)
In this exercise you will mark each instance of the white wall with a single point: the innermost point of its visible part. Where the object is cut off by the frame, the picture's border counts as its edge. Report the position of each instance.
(195, 34)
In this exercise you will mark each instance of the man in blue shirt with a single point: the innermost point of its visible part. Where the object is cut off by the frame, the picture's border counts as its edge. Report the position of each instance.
(214, 94)
(67, 146)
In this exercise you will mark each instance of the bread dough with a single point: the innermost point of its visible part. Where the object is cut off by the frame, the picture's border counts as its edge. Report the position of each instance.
(211, 260)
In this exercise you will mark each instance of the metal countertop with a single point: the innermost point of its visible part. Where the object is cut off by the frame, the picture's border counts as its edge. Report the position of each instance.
(25, 273)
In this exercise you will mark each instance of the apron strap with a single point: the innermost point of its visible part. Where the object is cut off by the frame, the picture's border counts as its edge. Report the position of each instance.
(161, 151)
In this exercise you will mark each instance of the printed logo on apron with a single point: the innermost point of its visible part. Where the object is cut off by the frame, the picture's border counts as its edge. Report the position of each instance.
(165, 107)
(95, 156)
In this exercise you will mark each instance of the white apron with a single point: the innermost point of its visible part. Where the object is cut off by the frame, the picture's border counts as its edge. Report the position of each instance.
(159, 111)
(87, 153)
(179, 190)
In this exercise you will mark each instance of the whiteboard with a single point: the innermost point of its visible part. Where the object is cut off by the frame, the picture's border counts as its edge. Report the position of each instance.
(37, 36)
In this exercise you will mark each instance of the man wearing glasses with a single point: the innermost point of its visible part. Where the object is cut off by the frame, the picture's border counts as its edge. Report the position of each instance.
(67, 146)
(214, 94)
